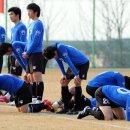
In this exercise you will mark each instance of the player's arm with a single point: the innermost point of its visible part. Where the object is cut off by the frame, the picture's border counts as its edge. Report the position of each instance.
(2, 36)
(23, 34)
(37, 34)
(68, 61)
(120, 80)
(60, 64)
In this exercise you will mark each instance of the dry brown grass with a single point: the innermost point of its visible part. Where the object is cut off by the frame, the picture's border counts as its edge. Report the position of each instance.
(11, 119)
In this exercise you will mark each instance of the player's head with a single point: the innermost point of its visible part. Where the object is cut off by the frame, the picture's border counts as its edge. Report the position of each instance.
(127, 82)
(49, 52)
(33, 10)
(5, 49)
(14, 13)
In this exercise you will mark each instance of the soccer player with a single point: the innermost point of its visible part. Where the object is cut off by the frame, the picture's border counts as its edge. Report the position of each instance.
(22, 95)
(84, 101)
(111, 99)
(18, 33)
(33, 52)
(78, 65)
(107, 78)
(2, 39)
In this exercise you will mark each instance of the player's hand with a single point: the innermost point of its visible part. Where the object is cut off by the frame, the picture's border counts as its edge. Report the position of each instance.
(25, 55)
(77, 81)
(26, 78)
(16, 63)
(64, 81)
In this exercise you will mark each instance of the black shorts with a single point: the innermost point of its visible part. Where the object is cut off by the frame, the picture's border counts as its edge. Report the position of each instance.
(12, 68)
(82, 69)
(91, 91)
(102, 100)
(23, 96)
(36, 63)
(1, 63)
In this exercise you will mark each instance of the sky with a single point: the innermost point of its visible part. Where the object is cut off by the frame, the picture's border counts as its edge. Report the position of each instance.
(68, 19)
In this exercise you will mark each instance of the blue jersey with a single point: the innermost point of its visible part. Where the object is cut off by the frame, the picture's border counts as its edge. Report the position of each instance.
(2, 34)
(70, 55)
(10, 83)
(35, 38)
(119, 96)
(107, 78)
(19, 33)
(93, 102)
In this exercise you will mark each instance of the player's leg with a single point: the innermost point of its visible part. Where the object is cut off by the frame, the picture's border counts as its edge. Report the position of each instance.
(119, 113)
(83, 70)
(105, 110)
(1, 63)
(23, 97)
(91, 91)
(65, 95)
(36, 70)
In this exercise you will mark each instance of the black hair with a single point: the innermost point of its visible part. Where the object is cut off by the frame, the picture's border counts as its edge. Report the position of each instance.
(127, 82)
(16, 10)
(4, 48)
(35, 8)
(49, 52)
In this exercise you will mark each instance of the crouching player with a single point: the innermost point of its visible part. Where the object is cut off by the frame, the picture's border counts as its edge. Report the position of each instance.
(22, 94)
(110, 99)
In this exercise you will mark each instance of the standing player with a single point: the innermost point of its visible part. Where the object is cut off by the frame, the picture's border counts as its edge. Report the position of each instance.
(2, 39)
(33, 52)
(107, 78)
(110, 99)
(78, 65)
(18, 33)
(22, 95)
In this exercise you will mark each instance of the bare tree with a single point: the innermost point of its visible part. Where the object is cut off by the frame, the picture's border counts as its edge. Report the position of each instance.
(114, 17)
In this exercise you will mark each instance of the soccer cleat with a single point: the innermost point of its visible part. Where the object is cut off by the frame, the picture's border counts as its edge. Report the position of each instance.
(84, 113)
(4, 99)
(48, 104)
(72, 112)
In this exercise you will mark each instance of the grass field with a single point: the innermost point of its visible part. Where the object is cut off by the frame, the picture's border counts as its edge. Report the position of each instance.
(11, 119)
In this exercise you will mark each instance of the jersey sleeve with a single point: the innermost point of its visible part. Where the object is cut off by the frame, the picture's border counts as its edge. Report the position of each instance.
(66, 58)
(128, 109)
(120, 80)
(23, 34)
(60, 64)
(35, 38)
(2, 36)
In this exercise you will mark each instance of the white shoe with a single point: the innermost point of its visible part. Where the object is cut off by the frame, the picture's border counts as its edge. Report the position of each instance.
(12, 103)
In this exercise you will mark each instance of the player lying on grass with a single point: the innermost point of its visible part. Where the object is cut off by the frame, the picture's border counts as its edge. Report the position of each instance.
(91, 102)
(22, 94)
(107, 78)
(110, 99)
(78, 65)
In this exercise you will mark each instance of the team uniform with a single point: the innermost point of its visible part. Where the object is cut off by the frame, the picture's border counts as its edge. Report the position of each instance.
(2, 39)
(105, 78)
(78, 63)
(17, 87)
(21, 92)
(18, 33)
(105, 96)
(34, 48)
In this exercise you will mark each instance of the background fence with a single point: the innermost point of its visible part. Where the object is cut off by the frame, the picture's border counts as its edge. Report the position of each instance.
(99, 28)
